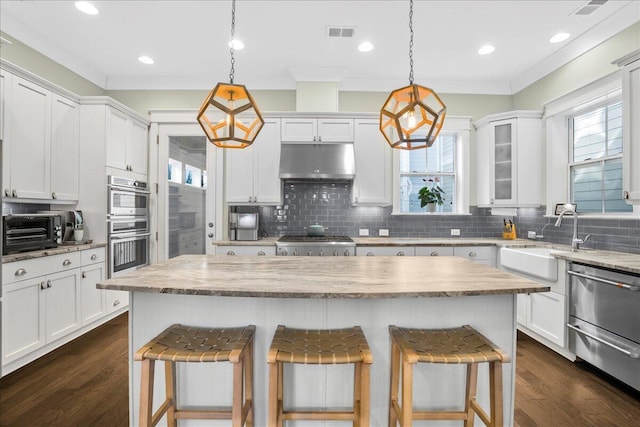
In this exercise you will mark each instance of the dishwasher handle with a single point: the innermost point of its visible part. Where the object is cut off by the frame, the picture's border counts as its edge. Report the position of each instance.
(632, 288)
(632, 354)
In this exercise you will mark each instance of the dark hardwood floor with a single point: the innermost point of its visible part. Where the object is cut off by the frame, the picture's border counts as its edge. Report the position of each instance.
(84, 384)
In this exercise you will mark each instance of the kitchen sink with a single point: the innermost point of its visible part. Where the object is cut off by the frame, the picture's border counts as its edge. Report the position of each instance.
(535, 261)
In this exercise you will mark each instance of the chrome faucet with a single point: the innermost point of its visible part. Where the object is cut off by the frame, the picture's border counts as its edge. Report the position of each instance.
(575, 242)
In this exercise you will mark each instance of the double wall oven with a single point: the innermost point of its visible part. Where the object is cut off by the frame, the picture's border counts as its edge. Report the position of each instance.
(128, 224)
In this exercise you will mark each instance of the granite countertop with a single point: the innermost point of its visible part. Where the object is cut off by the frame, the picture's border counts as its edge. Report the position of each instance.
(322, 277)
(393, 241)
(64, 249)
(608, 259)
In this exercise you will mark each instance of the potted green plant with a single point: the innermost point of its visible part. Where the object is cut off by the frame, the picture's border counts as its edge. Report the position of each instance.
(431, 195)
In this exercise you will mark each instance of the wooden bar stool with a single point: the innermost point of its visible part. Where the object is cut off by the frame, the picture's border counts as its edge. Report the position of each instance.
(180, 343)
(319, 347)
(459, 345)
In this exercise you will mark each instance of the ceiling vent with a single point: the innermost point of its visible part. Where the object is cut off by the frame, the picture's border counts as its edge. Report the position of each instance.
(340, 31)
(589, 7)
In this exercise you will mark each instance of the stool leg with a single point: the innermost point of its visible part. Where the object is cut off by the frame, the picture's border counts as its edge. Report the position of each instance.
(472, 385)
(248, 383)
(170, 387)
(394, 383)
(357, 393)
(146, 393)
(280, 394)
(365, 394)
(236, 406)
(407, 393)
(273, 394)
(495, 388)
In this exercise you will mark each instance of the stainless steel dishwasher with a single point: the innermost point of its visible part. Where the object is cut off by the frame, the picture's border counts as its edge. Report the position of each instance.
(604, 320)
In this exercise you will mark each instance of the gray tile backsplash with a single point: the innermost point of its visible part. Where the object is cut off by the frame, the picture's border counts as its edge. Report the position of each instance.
(329, 204)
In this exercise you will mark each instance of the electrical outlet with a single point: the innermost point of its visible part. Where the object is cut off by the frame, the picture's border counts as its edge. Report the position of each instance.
(363, 232)
(383, 232)
(531, 235)
(455, 231)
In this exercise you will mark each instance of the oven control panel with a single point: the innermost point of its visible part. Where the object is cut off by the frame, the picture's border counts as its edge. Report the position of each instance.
(316, 250)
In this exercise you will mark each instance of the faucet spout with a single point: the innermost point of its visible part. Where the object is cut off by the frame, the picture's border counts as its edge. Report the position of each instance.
(575, 242)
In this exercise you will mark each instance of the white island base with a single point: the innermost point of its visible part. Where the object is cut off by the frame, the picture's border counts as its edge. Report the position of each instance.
(440, 387)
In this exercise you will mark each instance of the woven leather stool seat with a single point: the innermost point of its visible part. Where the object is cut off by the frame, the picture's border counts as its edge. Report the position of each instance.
(319, 347)
(188, 344)
(462, 345)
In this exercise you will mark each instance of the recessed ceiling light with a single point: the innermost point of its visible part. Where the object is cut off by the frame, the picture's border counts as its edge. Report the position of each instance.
(486, 49)
(560, 37)
(236, 44)
(86, 7)
(365, 47)
(145, 60)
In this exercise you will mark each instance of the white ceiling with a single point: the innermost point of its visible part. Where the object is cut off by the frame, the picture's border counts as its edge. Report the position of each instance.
(286, 41)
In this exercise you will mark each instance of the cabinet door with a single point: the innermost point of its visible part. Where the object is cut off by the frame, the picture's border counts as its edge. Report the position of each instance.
(335, 130)
(631, 129)
(299, 130)
(503, 180)
(118, 134)
(137, 149)
(23, 328)
(5, 87)
(267, 183)
(30, 140)
(239, 175)
(5, 101)
(65, 132)
(547, 316)
(93, 299)
(372, 184)
(62, 304)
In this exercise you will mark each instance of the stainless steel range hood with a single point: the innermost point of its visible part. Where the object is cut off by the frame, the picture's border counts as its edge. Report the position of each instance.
(329, 161)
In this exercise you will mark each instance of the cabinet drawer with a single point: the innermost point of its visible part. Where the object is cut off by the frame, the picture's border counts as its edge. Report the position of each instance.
(246, 250)
(475, 252)
(93, 256)
(434, 251)
(385, 251)
(30, 268)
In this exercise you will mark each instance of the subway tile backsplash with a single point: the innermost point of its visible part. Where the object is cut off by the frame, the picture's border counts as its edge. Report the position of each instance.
(329, 204)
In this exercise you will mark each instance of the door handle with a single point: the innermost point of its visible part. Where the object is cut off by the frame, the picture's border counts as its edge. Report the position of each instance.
(632, 354)
(632, 288)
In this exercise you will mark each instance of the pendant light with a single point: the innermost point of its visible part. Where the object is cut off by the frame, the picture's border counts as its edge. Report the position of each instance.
(412, 116)
(241, 119)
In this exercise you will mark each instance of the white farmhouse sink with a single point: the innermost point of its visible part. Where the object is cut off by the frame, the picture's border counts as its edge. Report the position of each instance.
(537, 262)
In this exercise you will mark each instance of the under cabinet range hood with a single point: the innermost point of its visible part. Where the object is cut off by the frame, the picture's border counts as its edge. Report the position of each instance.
(327, 161)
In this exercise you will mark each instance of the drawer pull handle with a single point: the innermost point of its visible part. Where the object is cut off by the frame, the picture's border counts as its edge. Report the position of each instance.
(42, 286)
(400, 253)
(84, 275)
(66, 262)
(230, 253)
(21, 272)
(434, 253)
(116, 303)
(261, 253)
(632, 288)
(48, 284)
(94, 257)
(631, 354)
(472, 254)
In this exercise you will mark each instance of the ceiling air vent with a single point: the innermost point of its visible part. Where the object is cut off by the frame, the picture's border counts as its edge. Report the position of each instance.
(340, 31)
(589, 7)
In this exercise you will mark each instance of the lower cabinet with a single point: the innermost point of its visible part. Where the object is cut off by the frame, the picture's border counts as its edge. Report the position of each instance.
(231, 250)
(480, 254)
(116, 300)
(385, 251)
(62, 304)
(93, 299)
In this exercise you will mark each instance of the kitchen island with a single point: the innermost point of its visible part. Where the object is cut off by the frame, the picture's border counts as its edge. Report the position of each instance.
(323, 292)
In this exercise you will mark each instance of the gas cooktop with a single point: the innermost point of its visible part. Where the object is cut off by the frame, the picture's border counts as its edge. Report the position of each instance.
(314, 239)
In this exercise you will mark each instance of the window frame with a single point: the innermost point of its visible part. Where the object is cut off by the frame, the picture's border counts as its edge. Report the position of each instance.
(461, 127)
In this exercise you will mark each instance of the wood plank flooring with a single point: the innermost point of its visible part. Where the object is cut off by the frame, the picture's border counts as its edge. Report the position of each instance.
(85, 384)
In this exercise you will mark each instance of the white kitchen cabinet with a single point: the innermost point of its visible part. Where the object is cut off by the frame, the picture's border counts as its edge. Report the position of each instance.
(509, 159)
(317, 130)
(126, 142)
(40, 132)
(434, 250)
(631, 127)
(93, 271)
(373, 161)
(480, 254)
(65, 145)
(385, 251)
(62, 304)
(116, 300)
(239, 250)
(252, 173)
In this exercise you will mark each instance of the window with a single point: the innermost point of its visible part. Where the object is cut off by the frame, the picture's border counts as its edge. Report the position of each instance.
(595, 159)
(434, 166)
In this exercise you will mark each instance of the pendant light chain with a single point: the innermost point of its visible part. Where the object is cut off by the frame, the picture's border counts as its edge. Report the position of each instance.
(411, 42)
(233, 31)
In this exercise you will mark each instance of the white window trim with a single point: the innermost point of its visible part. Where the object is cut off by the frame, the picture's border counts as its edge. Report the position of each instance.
(461, 126)
(556, 121)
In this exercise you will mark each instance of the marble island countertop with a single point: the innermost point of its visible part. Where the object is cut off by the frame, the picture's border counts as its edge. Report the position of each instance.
(322, 277)
(63, 249)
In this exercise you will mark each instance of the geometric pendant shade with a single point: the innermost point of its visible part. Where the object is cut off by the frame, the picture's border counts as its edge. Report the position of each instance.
(412, 117)
(230, 117)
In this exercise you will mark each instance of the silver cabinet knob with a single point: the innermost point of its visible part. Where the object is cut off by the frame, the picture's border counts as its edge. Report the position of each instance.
(14, 193)
(400, 253)
(314, 138)
(319, 138)
(84, 275)
(434, 253)
(472, 254)
(20, 272)
(53, 195)
(66, 262)
(210, 235)
(42, 286)
(210, 225)
(48, 284)
(231, 253)
(6, 192)
(94, 257)
(116, 303)
(261, 253)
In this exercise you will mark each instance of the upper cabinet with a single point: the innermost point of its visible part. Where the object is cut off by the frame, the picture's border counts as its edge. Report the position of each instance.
(40, 131)
(317, 130)
(252, 173)
(373, 157)
(631, 126)
(126, 142)
(509, 159)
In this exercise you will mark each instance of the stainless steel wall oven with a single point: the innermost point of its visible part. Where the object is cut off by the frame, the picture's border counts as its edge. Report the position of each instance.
(128, 225)
(604, 320)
